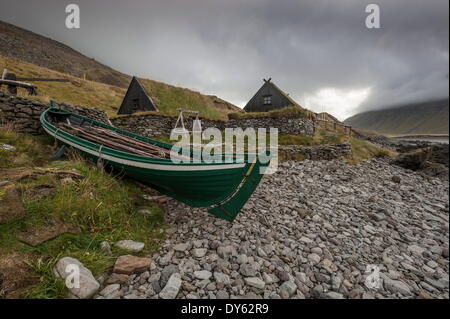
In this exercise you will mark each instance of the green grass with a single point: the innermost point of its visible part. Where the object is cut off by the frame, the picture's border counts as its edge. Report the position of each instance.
(289, 112)
(361, 149)
(49, 286)
(292, 139)
(169, 98)
(109, 97)
(365, 150)
(30, 150)
(103, 206)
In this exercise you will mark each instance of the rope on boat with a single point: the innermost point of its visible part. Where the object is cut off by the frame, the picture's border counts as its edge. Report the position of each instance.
(246, 176)
(100, 165)
(55, 142)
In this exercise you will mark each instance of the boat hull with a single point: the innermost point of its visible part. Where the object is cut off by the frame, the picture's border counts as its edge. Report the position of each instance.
(196, 184)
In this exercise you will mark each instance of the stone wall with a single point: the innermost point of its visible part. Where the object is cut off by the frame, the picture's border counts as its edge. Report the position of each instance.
(24, 113)
(321, 152)
(285, 125)
(155, 125)
(152, 125)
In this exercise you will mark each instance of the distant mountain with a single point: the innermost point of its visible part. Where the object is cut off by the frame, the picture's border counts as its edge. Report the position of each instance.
(419, 118)
(92, 84)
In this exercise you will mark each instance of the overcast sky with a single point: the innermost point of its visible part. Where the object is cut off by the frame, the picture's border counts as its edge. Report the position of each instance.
(318, 51)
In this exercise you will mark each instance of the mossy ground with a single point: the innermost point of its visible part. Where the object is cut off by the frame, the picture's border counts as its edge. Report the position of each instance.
(288, 112)
(102, 205)
(361, 149)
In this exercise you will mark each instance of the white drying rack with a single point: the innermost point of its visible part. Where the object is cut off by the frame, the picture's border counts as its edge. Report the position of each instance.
(196, 126)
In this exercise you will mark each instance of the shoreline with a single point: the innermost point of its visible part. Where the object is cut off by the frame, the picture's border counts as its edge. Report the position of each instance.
(422, 138)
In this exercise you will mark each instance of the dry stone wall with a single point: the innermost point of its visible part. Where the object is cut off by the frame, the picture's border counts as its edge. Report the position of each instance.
(321, 152)
(285, 125)
(155, 125)
(24, 113)
(152, 125)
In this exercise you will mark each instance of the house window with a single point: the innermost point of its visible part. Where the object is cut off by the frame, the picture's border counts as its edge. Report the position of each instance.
(267, 100)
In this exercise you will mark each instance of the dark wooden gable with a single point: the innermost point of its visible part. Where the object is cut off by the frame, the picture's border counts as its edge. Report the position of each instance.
(269, 97)
(136, 99)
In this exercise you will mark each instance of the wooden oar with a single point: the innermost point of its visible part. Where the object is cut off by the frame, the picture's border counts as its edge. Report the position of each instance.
(119, 142)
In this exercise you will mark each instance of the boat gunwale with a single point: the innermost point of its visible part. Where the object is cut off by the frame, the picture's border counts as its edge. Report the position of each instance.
(80, 142)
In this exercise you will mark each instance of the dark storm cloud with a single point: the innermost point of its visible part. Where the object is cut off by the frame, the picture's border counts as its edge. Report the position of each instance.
(226, 47)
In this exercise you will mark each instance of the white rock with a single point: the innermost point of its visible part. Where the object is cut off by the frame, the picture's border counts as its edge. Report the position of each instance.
(181, 247)
(255, 282)
(261, 252)
(242, 259)
(110, 289)
(130, 245)
(314, 258)
(88, 285)
(199, 252)
(289, 286)
(170, 291)
(202, 274)
(225, 251)
(269, 278)
(7, 147)
(370, 229)
(106, 247)
(222, 278)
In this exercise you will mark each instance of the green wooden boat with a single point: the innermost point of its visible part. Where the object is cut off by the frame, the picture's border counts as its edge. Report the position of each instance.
(222, 187)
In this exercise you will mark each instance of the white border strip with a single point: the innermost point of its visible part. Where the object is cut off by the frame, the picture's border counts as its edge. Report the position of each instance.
(159, 167)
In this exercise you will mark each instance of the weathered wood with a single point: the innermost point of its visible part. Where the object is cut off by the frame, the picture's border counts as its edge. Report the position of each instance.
(107, 142)
(135, 142)
(117, 141)
(13, 85)
(42, 80)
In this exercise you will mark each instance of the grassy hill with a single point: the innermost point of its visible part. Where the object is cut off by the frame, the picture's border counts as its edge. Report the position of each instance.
(30, 47)
(77, 91)
(421, 118)
(92, 84)
(109, 97)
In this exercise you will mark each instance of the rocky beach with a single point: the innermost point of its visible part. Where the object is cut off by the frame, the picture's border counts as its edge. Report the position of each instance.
(315, 229)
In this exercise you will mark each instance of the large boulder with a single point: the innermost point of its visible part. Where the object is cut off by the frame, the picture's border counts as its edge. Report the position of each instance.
(414, 160)
(88, 285)
(436, 170)
(440, 154)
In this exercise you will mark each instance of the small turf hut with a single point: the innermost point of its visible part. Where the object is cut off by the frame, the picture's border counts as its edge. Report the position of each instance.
(269, 97)
(136, 99)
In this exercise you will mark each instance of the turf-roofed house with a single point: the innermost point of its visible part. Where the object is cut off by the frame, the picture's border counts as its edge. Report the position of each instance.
(269, 97)
(136, 99)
